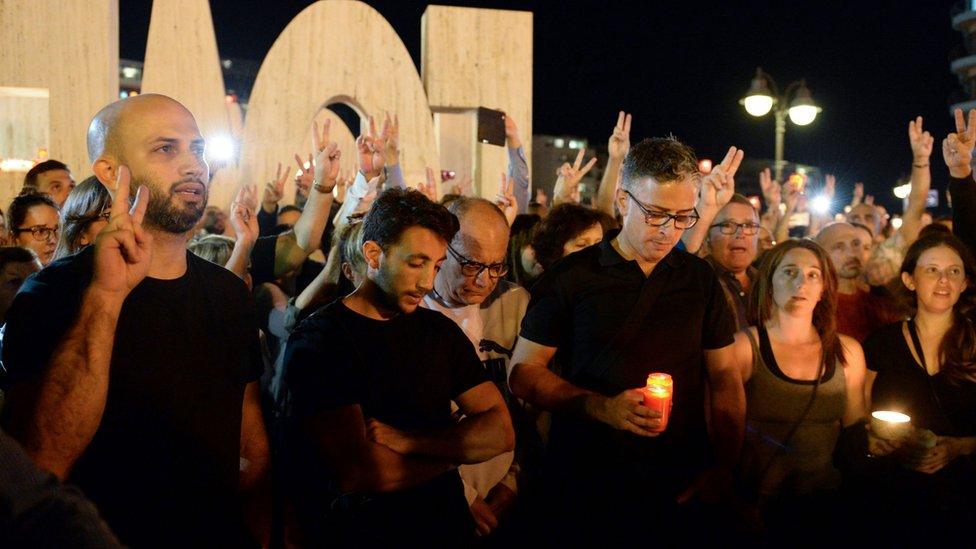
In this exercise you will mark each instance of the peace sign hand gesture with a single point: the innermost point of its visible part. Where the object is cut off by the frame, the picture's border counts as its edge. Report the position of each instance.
(619, 144)
(718, 186)
(274, 190)
(123, 249)
(957, 148)
(921, 141)
(569, 176)
(429, 189)
(771, 190)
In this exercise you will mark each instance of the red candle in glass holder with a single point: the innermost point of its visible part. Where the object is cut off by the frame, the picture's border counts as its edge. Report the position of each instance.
(657, 397)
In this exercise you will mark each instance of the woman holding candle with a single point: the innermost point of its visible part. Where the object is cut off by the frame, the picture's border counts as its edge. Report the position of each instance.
(804, 382)
(925, 367)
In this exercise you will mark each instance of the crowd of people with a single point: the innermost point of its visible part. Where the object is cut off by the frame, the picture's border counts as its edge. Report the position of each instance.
(377, 364)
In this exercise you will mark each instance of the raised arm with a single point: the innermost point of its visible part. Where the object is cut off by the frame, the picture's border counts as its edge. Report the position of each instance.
(484, 432)
(568, 178)
(245, 223)
(531, 380)
(617, 147)
(315, 214)
(388, 144)
(57, 422)
(957, 151)
(518, 167)
(716, 190)
(921, 142)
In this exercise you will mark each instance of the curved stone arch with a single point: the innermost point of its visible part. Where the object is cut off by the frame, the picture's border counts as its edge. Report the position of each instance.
(337, 48)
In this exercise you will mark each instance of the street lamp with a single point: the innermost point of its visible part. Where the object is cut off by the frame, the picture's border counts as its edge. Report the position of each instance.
(759, 100)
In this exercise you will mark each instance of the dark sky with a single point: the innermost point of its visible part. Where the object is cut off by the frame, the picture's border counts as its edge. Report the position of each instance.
(681, 67)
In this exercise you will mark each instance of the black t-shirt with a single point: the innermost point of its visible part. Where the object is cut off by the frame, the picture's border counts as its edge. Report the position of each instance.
(947, 407)
(163, 465)
(578, 306)
(404, 371)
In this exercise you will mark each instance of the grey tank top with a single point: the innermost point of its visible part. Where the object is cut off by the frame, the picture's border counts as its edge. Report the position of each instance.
(774, 403)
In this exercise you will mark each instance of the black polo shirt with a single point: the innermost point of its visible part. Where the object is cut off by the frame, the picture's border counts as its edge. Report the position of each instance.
(578, 306)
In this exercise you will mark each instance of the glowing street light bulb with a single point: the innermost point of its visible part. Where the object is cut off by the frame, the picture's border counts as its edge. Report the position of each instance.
(758, 105)
(896, 222)
(803, 114)
(902, 191)
(820, 204)
(221, 148)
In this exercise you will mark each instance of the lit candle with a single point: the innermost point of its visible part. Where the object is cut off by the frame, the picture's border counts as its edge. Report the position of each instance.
(890, 425)
(657, 397)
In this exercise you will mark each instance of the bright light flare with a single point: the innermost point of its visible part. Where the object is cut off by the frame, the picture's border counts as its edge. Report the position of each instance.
(758, 105)
(801, 115)
(705, 166)
(221, 148)
(820, 204)
(902, 191)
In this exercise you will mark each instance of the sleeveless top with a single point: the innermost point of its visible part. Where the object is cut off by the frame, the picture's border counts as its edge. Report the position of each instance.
(774, 403)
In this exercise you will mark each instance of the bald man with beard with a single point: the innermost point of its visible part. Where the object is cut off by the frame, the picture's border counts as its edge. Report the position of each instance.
(141, 386)
(861, 308)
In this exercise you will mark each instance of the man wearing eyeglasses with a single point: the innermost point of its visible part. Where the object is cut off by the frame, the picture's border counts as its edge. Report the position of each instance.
(471, 291)
(608, 316)
(733, 241)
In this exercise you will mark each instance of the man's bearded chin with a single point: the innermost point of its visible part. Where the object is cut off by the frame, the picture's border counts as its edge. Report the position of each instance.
(166, 215)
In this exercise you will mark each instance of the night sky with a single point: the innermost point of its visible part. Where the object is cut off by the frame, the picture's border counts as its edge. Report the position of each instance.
(681, 68)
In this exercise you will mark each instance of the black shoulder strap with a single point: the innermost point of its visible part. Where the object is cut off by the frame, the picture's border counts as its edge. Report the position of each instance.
(650, 292)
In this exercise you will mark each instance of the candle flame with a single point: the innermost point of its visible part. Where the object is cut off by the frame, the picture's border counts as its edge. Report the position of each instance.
(891, 417)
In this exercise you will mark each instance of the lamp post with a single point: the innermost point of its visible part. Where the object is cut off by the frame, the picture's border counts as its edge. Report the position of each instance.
(759, 100)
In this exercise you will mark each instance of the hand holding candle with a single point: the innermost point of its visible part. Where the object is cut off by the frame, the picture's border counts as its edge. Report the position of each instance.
(657, 397)
(890, 425)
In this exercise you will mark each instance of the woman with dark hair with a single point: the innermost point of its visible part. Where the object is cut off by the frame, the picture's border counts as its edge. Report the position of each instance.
(568, 228)
(925, 367)
(33, 223)
(804, 383)
(523, 268)
(84, 214)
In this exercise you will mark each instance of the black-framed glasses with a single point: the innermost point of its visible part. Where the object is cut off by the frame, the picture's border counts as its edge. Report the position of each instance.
(659, 219)
(41, 233)
(474, 269)
(750, 228)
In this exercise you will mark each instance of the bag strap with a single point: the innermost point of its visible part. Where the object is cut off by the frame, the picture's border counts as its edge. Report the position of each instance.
(913, 332)
(650, 292)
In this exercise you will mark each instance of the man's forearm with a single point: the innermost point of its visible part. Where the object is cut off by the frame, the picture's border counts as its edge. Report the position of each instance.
(921, 183)
(71, 396)
(728, 401)
(694, 237)
(547, 391)
(518, 169)
(608, 186)
(383, 470)
(475, 439)
(311, 224)
(240, 257)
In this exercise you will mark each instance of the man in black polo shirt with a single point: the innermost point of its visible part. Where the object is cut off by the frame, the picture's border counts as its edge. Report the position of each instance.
(372, 377)
(606, 476)
(140, 384)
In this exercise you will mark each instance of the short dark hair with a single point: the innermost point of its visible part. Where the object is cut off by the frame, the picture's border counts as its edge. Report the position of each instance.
(933, 228)
(19, 206)
(556, 229)
(30, 180)
(289, 208)
(16, 254)
(664, 158)
(396, 210)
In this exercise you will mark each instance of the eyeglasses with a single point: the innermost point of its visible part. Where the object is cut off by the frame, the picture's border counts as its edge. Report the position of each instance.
(474, 269)
(660, 219)
(41, 233)
(955, 274)
(731, 227)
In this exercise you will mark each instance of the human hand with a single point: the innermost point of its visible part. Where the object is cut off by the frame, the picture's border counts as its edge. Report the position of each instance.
(388, 141)
(957, 148)
(342, 186)
(512, 139)
(506, 198)
(501, 499)
(626, 411)
(771, 190)
(921, 141)
(391, 437)
(462, 186)
(370, 155)
(878, 447)
(429, 189)
(937, 457)
(572, 174)
(274, 190)
(858, 194)
(791, 196)
(123, 248)
(484, 518)
(718, 186)
(243, 216)
(306, 175)
(869, 200)
(619, 144)
(830, 186)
